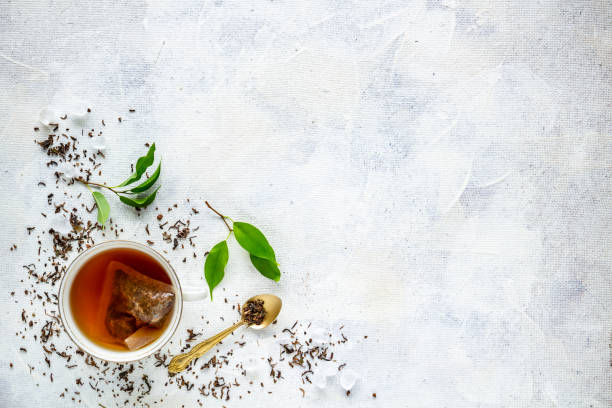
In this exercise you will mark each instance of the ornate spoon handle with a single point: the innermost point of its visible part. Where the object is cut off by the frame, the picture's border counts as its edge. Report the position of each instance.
(180, 362)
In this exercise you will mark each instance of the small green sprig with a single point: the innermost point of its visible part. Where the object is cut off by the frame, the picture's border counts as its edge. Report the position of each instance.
(124, 192)
(250, 238)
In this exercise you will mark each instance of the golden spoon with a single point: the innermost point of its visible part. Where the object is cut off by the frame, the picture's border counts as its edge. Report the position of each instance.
(272, 306)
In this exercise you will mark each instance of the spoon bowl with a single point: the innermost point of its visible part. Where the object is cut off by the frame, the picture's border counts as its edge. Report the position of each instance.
(272, 305)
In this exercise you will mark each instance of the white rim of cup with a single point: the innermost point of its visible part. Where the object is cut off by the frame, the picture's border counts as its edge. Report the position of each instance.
(90, 347)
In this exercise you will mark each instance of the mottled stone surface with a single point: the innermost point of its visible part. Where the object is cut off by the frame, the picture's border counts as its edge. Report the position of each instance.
(432, 174)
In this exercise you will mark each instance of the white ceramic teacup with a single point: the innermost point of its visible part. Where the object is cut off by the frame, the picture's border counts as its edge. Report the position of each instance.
(89, 346)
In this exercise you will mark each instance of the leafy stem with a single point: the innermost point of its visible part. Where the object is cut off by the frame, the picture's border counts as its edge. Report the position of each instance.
(91, 183)
(127, 187)
(250, 238)
(223, 217)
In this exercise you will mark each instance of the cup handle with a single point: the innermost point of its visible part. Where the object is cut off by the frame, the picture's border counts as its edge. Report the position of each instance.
(195, 296)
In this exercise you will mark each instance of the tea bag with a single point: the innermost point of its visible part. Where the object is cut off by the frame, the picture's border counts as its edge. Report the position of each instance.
(142, 337)
(132, 300)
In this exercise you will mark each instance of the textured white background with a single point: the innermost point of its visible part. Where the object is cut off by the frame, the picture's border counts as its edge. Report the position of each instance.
(432, 174)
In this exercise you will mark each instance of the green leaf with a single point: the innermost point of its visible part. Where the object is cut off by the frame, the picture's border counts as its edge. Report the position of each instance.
(139, 202)
(141, 166)
(267, 268)
(103, 207)
(253, 240)
(214, 267)
(148, 183)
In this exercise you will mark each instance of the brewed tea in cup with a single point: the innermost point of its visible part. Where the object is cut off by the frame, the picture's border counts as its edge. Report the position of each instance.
(120, 301)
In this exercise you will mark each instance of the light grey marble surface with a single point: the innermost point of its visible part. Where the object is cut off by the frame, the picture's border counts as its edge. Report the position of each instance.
(432, 174)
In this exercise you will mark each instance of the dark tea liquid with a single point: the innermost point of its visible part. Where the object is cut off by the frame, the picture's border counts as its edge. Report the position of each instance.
(86, 291)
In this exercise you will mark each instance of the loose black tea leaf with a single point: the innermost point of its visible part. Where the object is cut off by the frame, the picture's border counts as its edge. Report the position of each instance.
(254, 312)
